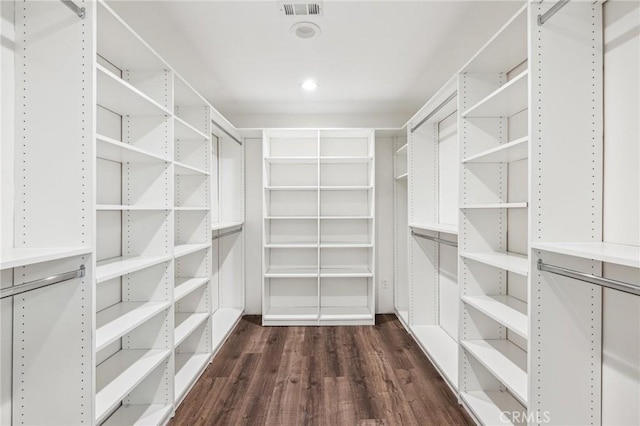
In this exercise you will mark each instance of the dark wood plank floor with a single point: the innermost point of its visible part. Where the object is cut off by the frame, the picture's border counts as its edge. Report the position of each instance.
(320, 376)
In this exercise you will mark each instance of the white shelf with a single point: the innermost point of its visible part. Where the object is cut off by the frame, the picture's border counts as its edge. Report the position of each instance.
(185, 169)
(291, 245)
(509, 152)
(191, 209)
(442, 349)
(118, 266)
(291, 160)
(185, 249)
(340, 244)
(292, 272)
(290, 217)
(436, 227)
(618, 254)
(225, 225)
(115, 321)
(120, 152)
(402, 148)
(490, 407)
(495, 206)
(345, 313)
(346, 188)
(346, 272)
(140, 415)
(120, 374)
(118, 96)
(291, 188)
(187, 323)
(345, 160)
(507, 310)
(186, 132)
(402, 176)
(506, 361)
(188, 368)
(345, 217)
(116, 207)
(184, 286)
(510, 98)
(291, 314)
(16, 257)
(512, 262)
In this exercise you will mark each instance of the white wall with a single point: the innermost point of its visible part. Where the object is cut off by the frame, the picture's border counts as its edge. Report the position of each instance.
(621, 312)
(384, 224)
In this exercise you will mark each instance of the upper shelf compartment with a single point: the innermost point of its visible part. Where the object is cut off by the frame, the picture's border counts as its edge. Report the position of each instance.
(507, 100)
(117, 95)
(618, 254)
(190, 110)
(506, 50)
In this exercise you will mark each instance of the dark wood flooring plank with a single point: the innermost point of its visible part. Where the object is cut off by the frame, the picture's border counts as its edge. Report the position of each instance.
(333, 376)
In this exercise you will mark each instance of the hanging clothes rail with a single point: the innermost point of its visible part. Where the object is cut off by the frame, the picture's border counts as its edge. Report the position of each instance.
(226, 234)
(226, 132)
(552, 11)
(435, 111)
(592, 279)
(436, 239)
(44, 282)
(80, 11)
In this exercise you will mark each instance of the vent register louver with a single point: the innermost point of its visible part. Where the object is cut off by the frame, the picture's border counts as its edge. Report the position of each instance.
(301, 9)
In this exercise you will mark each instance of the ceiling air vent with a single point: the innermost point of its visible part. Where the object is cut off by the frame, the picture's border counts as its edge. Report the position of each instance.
(301, 9)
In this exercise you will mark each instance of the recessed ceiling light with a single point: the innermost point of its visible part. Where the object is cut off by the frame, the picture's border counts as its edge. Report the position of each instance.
(305, 30)
(309, 85)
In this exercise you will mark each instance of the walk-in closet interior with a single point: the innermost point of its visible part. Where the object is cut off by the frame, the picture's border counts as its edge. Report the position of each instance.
(168, 171)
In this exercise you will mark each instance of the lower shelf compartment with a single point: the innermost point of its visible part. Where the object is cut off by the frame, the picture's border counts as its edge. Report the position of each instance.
(495, 408)
(119, 375)
(189, 366)
(140, 415)
(345, 313)
(441, 348)
(303, 313)
(222, 322)
(506, 361)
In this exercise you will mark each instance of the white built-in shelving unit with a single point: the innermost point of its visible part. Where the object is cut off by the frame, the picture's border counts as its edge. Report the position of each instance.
(318, 260)
(122, 218)
(524, 122)
(432, 231)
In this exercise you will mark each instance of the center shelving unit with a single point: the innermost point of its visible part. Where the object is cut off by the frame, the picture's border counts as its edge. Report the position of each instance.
(494, 128)
(318, 207)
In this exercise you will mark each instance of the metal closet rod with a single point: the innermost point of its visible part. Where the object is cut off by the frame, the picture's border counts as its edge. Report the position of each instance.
(80, 11)
(593, 279)
(226, 234)
(44, 282)
(435, 111)
(225, 130)
(552, 11)
(436, 239)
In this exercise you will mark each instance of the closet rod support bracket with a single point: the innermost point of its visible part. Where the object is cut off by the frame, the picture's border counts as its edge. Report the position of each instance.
(552, 11)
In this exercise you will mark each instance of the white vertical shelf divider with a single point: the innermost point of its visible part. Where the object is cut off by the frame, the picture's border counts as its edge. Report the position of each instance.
(318, 235)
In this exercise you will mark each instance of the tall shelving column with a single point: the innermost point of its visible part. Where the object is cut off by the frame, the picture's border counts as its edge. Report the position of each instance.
(134, 227)
(228, 237)
(401, 298)
(347, 227)
(433, 221)
(291, 227)
(493, 266)
(569, 225)
(192, 251)
(47, 214)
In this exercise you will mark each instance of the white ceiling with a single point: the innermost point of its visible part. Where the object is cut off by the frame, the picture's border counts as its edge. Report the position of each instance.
(377, 62)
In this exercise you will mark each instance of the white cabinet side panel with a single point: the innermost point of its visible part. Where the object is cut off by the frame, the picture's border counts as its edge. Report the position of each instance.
(384, 223)
(621, 123)
(7, 91)
(253, 226)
